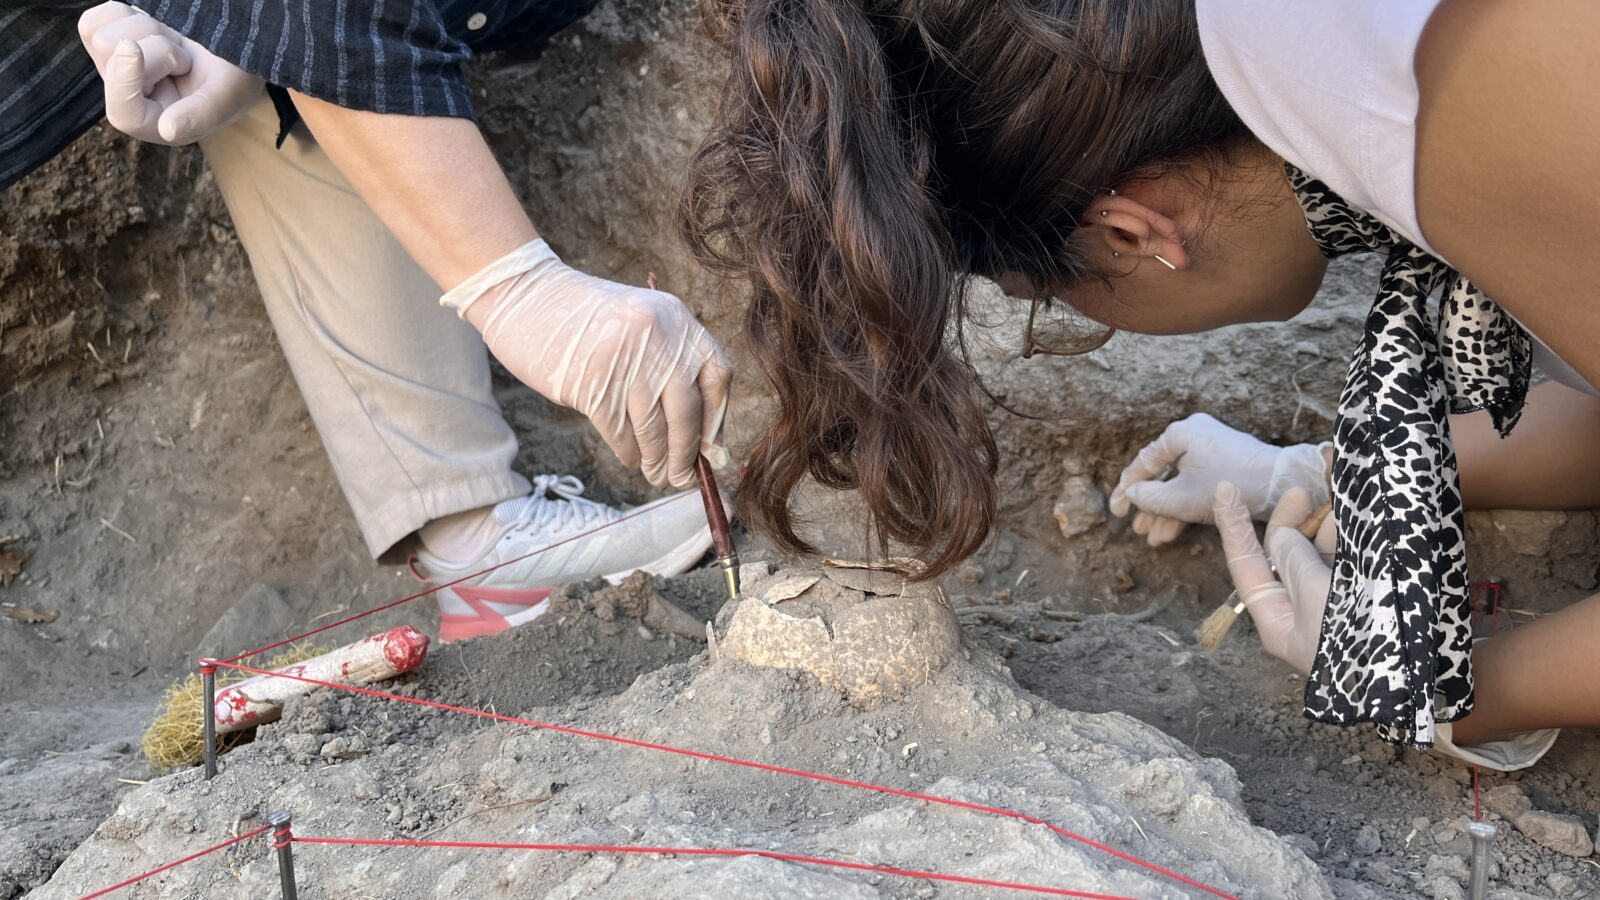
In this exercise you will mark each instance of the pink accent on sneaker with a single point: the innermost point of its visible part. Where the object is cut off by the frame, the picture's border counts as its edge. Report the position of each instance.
(488, 621)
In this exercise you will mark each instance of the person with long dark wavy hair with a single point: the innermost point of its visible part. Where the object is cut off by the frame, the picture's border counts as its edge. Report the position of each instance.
(1171, 166)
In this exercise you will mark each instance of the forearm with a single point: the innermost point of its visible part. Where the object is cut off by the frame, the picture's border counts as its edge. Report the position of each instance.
(1541, 675)
(1548, 462)
(431, 180)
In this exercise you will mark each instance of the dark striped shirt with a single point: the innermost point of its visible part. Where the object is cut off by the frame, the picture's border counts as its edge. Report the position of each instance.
(388, 56)
(49, 90)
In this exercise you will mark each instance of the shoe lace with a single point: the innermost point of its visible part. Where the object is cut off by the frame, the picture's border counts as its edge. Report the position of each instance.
(557, 504)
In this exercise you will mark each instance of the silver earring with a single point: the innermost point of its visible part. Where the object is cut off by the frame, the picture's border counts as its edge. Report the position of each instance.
(1104, 213)
(1113, 192)
(1115, 254)
(1163, 260)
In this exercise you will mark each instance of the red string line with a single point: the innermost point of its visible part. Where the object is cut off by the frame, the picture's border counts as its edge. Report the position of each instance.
(439, 587)
(1478, 590)
(176, 863)
(749, 764)
(708, 851)
(1477, 807)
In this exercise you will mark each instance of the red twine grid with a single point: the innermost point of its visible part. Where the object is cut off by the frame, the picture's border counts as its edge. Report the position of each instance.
(233, 663)
(750, 764)
(1478, 588)
(177, 862)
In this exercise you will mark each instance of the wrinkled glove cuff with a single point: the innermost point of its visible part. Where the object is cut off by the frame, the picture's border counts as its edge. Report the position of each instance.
(1519, 751)
(520, 261)
(1300, 466)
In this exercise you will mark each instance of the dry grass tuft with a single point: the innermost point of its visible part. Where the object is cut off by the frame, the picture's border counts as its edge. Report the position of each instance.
(177, 735)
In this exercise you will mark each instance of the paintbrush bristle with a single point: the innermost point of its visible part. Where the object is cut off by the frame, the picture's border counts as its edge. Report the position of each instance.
(1215, 628)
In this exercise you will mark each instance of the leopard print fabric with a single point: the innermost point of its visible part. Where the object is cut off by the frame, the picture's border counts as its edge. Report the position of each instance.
(1396, 639)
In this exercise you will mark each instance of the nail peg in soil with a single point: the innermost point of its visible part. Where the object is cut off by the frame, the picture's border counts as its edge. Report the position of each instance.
(717, 517)
(208, 715)
(1483, 835)
(282, 823)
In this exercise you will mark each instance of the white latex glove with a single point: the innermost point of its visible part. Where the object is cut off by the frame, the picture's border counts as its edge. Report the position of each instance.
(160, 86)
(635, 361)
(1205, 453)
(1287, 612)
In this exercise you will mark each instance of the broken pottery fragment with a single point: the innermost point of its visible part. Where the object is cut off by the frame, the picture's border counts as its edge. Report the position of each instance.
(864, 629)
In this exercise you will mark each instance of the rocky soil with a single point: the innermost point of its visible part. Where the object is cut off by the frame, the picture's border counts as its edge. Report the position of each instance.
(361, 767)
(162, 493)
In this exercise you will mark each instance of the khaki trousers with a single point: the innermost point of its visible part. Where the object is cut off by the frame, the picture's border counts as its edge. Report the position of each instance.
(397, 385)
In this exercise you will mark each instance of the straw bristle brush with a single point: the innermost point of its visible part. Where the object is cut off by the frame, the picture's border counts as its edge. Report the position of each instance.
(1215, 628)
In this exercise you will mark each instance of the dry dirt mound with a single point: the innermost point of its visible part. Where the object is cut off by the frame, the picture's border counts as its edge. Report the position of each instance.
(362, 767)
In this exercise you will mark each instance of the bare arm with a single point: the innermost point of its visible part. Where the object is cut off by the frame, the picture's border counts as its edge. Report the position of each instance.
(1548, 462)
(1508, 180)
(432, 180)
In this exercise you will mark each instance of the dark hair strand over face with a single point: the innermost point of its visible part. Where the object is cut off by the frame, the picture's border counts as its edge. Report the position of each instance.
(867, 158)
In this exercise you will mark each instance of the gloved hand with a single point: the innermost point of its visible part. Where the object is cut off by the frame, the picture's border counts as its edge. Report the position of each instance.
(1206, 453)
(635, 361)
(160, 86)
(1287, 612)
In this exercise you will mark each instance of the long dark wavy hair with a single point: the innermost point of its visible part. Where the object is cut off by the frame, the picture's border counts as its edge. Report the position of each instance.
(868, 156)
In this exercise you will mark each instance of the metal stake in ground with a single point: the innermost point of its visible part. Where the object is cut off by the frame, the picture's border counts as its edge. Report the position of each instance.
(1483, 835)
(208, 715)
(717, 517)
(283, 842)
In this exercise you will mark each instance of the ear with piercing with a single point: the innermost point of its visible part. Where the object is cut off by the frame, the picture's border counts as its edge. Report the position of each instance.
(1105, 213)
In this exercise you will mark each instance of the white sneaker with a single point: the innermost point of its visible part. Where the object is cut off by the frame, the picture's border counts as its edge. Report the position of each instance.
(555, 536)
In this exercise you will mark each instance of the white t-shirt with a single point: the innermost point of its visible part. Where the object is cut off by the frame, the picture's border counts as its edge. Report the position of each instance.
(1331, 86)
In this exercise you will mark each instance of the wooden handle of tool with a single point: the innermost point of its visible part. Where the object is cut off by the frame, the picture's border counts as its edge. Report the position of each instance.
(716, 516)
(1313, 523)
(259, 700)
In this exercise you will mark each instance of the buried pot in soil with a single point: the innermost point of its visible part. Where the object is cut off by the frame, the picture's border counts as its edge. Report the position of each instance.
(355, 766)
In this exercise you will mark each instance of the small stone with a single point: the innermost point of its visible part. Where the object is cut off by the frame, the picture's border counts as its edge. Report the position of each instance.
(1382, 873)
(1453, 866)
(1368, 841)
(1561, 884)
(1508, 800)
(1441, 887)
(1304, 844)
(1080, 508)
(909, 750)
(1122, 580)
(301, 747)
(1561, 833)
(348, 747)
